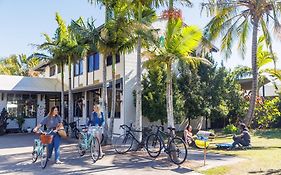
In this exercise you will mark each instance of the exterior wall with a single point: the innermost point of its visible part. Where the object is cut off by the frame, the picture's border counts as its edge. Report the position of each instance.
(269, 90)
(3, 101)
(129, 87)
(41, 103)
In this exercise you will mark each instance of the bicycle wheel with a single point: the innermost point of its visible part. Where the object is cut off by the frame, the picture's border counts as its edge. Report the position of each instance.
(153, 145)
(123, 143)
(177, 151)
(76, 133)
(95, 149)
(44, 157)
(34, 154)
(80, 144)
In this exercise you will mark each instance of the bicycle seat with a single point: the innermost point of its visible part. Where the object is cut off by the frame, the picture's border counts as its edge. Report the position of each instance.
(172, 129)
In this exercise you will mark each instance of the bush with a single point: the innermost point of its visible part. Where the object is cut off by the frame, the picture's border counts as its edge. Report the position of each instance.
(230, 129)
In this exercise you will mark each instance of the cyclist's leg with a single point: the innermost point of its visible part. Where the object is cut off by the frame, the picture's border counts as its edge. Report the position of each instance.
(99, 136)
(57, 141)
(50, 149)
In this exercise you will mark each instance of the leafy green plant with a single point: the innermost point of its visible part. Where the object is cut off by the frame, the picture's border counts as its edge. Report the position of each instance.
(230, 129)
(268, 113)
(20, 121)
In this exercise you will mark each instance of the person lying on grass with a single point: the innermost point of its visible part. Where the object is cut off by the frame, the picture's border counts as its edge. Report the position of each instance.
(244, 139)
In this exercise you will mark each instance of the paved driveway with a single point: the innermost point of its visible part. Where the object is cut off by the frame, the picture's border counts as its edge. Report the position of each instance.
(15, 158)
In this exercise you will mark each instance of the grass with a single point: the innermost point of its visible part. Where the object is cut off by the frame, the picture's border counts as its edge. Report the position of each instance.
(263, 158)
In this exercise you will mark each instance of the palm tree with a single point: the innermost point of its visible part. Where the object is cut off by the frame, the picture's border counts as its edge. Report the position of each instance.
(234, 19)
(108, 15)
(114, 37)
(65, 48)
(56, 56)
(144, 7)
(18, 65)
(179, 44)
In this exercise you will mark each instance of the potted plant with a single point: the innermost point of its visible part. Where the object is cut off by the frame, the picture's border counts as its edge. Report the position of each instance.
(20, 121)
(29, 130)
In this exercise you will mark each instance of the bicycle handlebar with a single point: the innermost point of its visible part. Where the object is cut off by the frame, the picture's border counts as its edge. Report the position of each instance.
(125, 127)
(43, 132)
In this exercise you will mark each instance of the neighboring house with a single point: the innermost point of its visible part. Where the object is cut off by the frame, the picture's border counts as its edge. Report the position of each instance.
(270, 88)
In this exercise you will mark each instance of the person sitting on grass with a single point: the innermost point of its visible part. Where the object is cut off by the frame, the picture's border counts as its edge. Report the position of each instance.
(188, 136)
(244, 139)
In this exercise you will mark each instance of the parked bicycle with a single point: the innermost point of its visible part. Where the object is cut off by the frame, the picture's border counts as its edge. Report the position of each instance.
(124, 142)
(87, 140)
(40, 147)
(73, 126)
(175, 146)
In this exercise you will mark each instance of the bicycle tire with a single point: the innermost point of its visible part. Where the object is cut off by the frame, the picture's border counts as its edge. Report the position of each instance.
(34, 153)
(123, 143)
(177, 151)
(153, 145)
(44, 157)
(76, 133)
(95, 149)
(80, 149)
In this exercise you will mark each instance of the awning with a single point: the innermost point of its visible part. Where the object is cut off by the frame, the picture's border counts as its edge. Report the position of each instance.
(10, 83)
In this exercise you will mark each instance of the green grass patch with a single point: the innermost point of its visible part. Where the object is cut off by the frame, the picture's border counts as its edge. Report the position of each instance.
(216, 171)
(263, 157)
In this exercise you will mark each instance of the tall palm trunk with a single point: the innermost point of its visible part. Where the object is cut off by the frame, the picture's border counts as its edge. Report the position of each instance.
(169, 88)
(104, 88)
(62, 92)
(113, 99)
(104, 99)
(70, 99)
(138, 88)
(250, 113)
(169, 96)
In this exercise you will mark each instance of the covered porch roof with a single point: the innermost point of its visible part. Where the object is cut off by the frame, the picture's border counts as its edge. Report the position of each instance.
(15, 84)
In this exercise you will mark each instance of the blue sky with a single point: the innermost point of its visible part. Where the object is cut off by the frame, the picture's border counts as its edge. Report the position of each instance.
(24, 21)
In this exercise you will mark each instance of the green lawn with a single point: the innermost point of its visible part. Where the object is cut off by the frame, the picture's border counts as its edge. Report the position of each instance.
(263, 158)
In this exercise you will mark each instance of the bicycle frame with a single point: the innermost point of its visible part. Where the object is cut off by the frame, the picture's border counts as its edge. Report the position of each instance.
(160, 134)
(39, 146)
(86, 140)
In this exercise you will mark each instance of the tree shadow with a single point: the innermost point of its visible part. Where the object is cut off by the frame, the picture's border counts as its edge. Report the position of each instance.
(268, 172)
(269, 134)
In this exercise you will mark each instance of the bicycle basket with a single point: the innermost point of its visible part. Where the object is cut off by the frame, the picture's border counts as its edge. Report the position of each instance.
(46, 139)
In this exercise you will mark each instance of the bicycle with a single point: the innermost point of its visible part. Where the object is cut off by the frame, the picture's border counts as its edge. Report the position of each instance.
(40, 148)
(175, 147)
(124, 142)
(73, 126)
(87, 140)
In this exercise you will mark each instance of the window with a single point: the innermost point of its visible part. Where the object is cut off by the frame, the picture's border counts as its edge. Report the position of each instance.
(22, 105)
(109, 59)
(117, 105)
(59, 69)
(78, 68)
(93, 62)
(52, 70)
(90, 63)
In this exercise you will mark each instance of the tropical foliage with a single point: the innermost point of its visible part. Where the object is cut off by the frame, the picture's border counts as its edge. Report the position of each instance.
(234, 19)
(19, 65)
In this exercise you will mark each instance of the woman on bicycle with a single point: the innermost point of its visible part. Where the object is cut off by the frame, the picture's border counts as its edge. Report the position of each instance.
(52, 121)
(97, 120)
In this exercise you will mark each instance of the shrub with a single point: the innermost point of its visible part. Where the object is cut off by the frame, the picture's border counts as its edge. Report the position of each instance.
(230, 129)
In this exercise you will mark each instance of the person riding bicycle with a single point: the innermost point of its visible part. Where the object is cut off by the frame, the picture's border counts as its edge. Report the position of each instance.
(52, 121)
(97, 120)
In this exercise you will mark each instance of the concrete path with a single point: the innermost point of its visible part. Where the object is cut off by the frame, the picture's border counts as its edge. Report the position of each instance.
(15, 158)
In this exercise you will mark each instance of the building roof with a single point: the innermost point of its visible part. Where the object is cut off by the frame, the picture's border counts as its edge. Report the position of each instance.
(29, 84)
